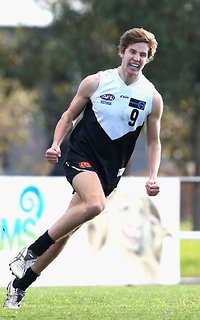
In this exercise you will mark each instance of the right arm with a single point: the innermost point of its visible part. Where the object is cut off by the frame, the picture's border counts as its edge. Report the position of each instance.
(154, 144)
(65, 125)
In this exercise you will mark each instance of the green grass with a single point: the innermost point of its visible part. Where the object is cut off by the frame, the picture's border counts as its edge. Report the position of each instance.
(189, 253)
(179, 302)
(186, 225)
(190, 258)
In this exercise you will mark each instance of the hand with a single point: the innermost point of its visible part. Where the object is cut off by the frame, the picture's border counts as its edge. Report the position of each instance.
(52, 154)
(152, 187)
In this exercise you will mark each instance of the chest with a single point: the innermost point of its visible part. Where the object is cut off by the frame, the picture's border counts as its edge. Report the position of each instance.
(121, 104)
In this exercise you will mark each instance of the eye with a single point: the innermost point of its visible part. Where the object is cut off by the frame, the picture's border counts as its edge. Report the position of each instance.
(132, 51)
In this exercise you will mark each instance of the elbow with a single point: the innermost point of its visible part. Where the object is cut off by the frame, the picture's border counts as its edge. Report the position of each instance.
(156, 143)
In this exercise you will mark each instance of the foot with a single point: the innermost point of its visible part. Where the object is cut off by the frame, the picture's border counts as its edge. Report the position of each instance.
(25, 259)
(14, 297)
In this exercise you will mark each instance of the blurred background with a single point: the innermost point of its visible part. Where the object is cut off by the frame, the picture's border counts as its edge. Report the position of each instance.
(42, 62)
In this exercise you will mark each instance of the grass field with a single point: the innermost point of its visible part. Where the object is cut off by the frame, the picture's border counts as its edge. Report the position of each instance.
(176, 302)
(189, 253)
(190, 258)
(179, 302)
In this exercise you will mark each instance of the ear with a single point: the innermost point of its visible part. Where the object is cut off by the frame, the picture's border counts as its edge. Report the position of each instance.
(121, 53)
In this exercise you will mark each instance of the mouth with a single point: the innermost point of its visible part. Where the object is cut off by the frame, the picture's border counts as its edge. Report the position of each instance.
(134, 65)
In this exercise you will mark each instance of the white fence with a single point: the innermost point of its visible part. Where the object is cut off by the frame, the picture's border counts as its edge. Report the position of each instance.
(189, 235)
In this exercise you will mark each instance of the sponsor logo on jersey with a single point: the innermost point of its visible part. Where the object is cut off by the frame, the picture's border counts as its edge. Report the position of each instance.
(84, 164)
(124, 97)
(107, 98)
(137, 104)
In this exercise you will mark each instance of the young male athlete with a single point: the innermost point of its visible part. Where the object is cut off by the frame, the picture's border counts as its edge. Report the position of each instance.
(115, 104)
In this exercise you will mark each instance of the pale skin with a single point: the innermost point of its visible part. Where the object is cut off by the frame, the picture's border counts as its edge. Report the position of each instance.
(89, 199)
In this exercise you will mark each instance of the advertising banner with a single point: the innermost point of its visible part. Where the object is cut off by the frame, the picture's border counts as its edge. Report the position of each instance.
(134, 241)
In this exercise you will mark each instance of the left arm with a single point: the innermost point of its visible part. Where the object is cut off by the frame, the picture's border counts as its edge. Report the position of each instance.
(154, 144)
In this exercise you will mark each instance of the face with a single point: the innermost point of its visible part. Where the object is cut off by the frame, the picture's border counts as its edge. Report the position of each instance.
(134, 58)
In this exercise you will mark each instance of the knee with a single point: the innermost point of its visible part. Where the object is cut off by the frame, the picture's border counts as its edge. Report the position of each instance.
(94, 209)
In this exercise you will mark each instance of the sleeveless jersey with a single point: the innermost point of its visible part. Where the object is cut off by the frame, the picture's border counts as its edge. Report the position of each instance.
(105, 136)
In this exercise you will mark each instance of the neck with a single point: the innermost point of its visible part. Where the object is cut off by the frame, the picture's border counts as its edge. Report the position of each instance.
(127, 77)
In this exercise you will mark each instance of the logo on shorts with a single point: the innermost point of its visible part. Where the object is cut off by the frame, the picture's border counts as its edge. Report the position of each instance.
(84, 164)
(120, 172)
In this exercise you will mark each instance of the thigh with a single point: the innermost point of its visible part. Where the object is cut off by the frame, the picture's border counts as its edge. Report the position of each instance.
(88, 186)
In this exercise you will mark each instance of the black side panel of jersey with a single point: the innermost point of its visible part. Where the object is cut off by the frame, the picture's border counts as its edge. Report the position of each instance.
(89, 142)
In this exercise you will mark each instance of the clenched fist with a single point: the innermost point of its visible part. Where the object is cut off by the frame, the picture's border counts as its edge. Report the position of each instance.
(152, 187)
(53, 154)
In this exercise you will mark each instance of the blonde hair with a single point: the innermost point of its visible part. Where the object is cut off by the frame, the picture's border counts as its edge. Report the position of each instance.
(136, 35)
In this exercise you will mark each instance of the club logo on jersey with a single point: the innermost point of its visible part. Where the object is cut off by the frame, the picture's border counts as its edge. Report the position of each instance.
(137, 104)
(84, 164)
(107, 98)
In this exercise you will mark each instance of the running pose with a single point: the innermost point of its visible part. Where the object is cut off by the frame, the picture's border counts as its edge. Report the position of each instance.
(114, 105)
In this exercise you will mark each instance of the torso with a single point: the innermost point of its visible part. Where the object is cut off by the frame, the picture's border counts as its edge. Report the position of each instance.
(111, 123)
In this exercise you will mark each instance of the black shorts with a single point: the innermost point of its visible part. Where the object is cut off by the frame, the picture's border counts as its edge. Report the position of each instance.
(72, 168)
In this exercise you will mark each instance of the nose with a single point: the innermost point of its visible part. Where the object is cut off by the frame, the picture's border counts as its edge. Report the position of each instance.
(137, 57)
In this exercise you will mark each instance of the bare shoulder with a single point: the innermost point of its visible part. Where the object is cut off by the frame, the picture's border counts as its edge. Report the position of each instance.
(157, 98)
(89, 84)
(157, 104)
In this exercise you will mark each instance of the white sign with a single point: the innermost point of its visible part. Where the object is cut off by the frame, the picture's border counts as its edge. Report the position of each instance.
(134, 241)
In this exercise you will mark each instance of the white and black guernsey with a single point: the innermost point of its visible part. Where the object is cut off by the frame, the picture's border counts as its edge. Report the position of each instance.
(112, 120)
